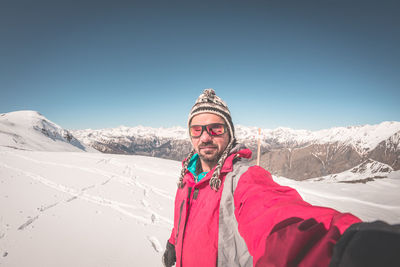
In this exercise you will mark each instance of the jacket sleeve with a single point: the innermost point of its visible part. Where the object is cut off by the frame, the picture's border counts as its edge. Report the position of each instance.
(280, 228)
(171, 239)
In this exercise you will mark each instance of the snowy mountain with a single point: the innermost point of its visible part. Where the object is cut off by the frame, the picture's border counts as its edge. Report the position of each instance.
(363, 138)
(333, 151)
(94, 209)
(169, 143)
(30, 130)
(296, 154)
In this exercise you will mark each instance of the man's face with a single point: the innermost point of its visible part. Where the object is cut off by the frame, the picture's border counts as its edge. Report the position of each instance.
(209, 148)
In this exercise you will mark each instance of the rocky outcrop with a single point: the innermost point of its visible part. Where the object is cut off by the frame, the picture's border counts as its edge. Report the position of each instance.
(388, 151)
(310, 161)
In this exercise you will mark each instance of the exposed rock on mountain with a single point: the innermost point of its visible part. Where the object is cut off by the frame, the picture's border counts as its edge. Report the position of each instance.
(310, 161)
(388, 151)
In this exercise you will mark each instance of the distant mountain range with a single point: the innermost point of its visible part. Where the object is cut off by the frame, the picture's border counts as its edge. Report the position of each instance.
(296, 154)
(357, 153)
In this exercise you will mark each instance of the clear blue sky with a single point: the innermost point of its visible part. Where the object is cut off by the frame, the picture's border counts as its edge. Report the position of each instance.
(299, 64)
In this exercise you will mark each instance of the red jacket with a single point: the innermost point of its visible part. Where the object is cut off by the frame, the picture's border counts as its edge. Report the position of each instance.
(251, 221)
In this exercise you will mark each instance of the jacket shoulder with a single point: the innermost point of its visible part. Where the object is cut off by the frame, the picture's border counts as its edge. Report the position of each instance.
(240, 166)
(246, 172)
(254, 174)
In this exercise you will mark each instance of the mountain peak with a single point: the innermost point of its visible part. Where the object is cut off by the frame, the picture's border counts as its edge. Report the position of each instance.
(30, 130)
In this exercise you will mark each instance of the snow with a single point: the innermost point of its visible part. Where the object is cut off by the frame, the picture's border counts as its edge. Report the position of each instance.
(29, 130)
(84, 209)
(93, 209)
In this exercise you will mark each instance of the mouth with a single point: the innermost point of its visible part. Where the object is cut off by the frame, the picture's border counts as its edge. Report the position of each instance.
(208, 147)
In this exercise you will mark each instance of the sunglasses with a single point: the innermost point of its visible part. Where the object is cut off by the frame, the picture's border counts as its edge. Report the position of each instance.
(213, 129)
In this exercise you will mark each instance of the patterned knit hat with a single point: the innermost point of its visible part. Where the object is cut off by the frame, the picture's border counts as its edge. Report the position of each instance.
(209, 102)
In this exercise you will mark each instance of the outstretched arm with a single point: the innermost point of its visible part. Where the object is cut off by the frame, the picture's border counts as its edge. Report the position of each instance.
(280, 228)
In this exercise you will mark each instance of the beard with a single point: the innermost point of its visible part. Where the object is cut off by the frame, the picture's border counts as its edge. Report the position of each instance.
(209, 156)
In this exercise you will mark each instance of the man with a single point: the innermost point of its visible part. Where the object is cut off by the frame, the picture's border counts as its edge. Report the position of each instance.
(230, 214)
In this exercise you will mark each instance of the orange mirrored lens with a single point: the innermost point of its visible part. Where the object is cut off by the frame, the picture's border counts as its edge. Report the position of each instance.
(196, 130)
(215, 129)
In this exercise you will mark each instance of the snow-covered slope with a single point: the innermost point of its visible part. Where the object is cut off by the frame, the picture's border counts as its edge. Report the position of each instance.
(94, 209)
(84, 209)
(29, 130)
(370, 201)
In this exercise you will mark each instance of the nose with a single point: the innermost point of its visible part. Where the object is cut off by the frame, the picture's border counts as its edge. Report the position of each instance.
(205, 137)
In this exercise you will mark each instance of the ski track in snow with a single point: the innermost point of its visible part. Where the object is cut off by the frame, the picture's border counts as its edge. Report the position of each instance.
(108, 174)
(115, 205)
(28, 222)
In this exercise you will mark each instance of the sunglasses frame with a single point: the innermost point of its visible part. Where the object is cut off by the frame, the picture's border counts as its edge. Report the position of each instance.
(204, 127)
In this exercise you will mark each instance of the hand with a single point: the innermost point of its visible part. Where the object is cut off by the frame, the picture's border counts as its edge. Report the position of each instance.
(368, 244)
(169, 257)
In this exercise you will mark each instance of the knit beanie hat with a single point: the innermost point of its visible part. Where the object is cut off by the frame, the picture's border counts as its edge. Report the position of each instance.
(209, 102)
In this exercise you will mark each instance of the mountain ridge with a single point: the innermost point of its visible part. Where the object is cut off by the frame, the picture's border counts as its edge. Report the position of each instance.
(296, 154)
(363, 137)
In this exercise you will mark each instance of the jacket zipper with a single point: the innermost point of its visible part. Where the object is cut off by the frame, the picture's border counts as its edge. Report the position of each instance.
(187, 216)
